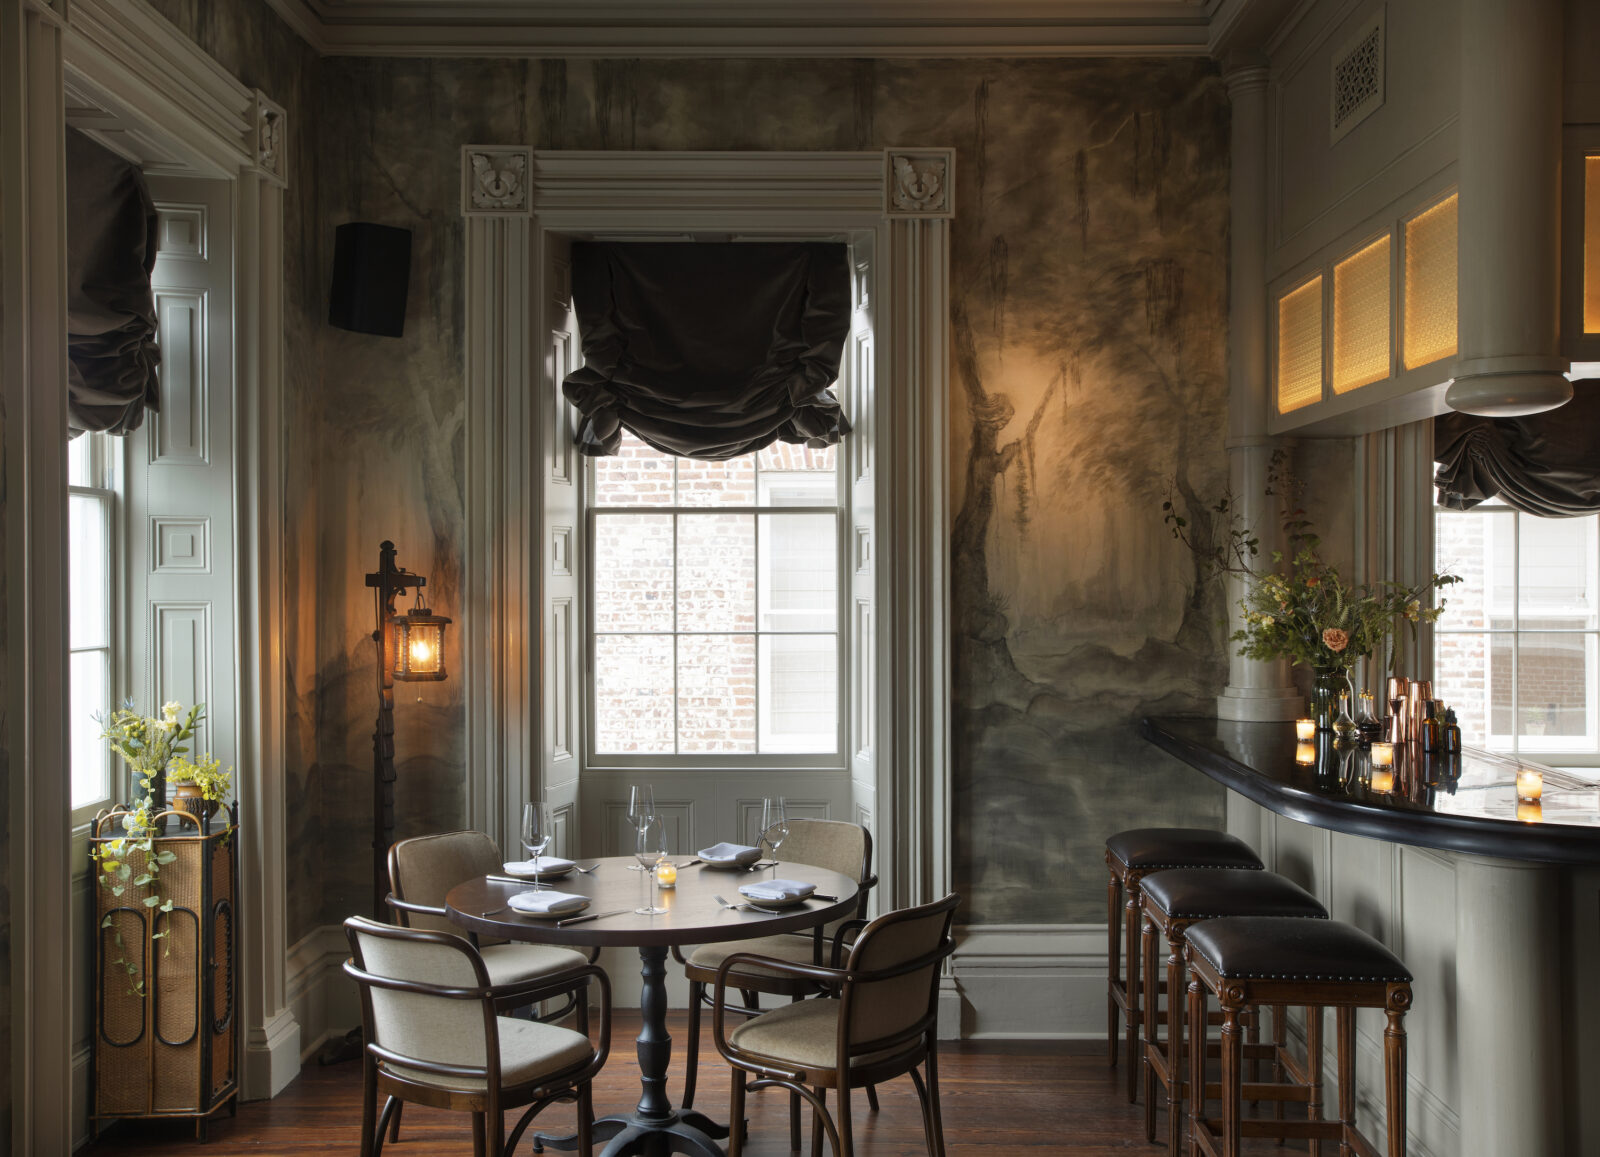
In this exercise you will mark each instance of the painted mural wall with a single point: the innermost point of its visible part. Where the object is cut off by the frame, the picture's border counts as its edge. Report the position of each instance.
(1089, 274)
(1089, 283)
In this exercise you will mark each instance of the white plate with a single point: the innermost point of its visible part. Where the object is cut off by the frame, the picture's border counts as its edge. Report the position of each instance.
(550, 868)
(559, 915)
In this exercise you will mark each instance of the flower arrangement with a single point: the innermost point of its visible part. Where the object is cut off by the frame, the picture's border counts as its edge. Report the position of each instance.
(1302, 609)
(154, 749)
(207, 775)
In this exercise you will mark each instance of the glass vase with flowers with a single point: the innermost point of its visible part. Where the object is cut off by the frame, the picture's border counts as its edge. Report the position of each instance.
(1297, 606)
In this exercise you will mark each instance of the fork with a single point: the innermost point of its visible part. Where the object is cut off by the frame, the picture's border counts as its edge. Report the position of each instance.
(590, 868)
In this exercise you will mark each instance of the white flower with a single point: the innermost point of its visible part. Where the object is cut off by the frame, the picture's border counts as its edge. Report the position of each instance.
(170, 710)
(1267, 620)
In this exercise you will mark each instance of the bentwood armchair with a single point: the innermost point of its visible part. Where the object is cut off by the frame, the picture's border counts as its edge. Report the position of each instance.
(877, 1023)
(422, 871)
(838, 846)
(434, 1035)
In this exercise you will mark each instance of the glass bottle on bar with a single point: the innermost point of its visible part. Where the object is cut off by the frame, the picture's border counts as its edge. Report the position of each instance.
(1368, 726)
(1344, 727)
(1432, 736)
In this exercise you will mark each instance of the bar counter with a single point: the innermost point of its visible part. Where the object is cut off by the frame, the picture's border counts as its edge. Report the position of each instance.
(1493, 904)
(1466, 803)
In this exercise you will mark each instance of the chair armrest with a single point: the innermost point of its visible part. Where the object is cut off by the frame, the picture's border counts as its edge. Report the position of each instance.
(846, 929)
(400, 905)
(813, 972)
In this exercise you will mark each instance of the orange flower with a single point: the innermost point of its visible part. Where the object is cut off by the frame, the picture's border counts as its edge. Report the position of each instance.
(1335, 639)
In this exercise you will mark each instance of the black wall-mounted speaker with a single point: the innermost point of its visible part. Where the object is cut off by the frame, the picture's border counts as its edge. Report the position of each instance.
(371, 267)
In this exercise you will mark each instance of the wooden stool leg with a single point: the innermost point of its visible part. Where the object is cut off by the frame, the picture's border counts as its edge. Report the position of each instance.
(1347, 1075)
(1175, 1058)
(1280, 1041)
(1394, 1079)
(1314, 1070)
(1232, 1079)
(1197, 1062)
(1152, 1000)
(1130, 922)
(1113, 964)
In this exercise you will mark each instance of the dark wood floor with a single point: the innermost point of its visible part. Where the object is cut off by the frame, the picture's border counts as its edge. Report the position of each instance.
(1009, 1097)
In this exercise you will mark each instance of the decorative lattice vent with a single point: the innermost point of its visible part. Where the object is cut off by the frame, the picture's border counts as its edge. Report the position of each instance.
(1300, 346)
(1361, 318)
(1358, 77)
(1430, 284)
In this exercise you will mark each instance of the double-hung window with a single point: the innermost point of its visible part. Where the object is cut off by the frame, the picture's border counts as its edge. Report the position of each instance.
(714, 607)
(93, 472)
(1517, 650)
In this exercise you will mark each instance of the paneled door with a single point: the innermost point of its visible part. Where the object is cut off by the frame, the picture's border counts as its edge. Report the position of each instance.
(180, 508)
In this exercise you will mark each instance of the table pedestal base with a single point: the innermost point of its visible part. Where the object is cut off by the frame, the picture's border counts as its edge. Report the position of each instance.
(655, 1128)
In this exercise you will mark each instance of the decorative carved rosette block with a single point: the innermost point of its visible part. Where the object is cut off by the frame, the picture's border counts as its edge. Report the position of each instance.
(919, 183)
(270, 147)
(495, 180)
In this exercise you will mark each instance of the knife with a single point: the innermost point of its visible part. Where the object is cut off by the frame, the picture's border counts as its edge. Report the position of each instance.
(592, 916)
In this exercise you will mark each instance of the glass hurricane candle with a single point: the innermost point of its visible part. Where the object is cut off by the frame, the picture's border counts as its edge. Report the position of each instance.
(1530, 784)
(1305, 729)
(667, 874)
(1382, 755)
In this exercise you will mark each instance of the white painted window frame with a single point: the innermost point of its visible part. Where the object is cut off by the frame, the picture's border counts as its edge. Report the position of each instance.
(512, 199)
(137, 63)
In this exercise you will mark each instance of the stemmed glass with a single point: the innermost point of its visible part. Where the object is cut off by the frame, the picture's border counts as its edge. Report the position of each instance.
(641, 810)
(774, 826)
(650, 850)
(537, 829)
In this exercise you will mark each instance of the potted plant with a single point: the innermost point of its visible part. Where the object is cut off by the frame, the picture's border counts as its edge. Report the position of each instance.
(198, 787)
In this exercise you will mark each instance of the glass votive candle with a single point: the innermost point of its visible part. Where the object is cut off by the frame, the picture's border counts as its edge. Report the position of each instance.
(1305, 754)
(1382, 780)
(1305, 729)
(667, 874)
(1530, 811)
(1530, 783)
(1382, 754)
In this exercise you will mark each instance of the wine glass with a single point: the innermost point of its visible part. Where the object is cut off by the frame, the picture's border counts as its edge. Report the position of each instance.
(774, 826)
(650, 849)
(641, 810)
(537, 829)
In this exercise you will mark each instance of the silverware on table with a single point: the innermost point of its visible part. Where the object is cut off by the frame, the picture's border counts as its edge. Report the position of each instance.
(692, 863)
(592, 916)
(747, 906)
(590, 868)
(762, 865)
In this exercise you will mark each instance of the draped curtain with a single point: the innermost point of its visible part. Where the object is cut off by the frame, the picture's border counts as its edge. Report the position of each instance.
(709, 350)
(111, 312)
(1545, 464)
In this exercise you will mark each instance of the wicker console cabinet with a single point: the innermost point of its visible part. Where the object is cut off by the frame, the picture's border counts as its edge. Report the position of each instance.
(166, 1040)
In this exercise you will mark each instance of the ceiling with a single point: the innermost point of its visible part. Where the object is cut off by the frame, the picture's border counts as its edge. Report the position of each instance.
(790, 28)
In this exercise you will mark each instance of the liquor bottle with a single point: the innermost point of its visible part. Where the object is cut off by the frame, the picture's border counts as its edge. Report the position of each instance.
(1368, 724)
(1344, 727)
(1432, 737)
(1452, 732)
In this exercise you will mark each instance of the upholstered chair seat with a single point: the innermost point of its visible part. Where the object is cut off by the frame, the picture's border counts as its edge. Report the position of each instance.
(876, 1022)
(433, 1033)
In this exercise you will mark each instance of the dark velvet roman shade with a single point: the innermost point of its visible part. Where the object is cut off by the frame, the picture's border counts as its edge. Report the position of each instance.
(111, 312)
(1546, 464)
(709, 350)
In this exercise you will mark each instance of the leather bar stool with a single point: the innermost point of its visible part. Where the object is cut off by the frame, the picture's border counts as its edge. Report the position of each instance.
(1174, 899)
(1131, 856)
(1255, 960)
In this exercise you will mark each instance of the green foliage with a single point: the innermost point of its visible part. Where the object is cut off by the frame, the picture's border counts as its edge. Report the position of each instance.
(1300, 608)
(149, 745)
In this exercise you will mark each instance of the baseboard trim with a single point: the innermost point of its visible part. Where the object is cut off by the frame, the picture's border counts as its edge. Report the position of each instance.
(322, 998)
(1030, 981)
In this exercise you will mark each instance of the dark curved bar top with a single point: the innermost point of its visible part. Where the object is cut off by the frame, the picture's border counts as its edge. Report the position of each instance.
(1463, 804)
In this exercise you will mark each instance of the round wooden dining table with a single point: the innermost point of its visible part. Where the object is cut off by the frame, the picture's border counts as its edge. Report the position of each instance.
(692, 916)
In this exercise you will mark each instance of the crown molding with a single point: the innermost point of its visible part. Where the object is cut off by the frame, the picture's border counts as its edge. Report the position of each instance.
(739, 28)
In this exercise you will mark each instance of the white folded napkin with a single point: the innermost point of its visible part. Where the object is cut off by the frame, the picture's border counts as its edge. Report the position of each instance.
(542, 866)
(777, 890)
(548, 903)
(726, 853)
